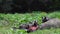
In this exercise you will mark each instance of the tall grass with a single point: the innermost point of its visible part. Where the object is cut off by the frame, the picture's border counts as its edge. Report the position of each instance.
(7, 21)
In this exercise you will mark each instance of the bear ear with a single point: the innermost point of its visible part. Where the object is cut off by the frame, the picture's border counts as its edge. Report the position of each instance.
(44, 19)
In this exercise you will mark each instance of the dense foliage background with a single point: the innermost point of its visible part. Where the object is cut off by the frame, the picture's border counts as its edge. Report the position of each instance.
(21, 6)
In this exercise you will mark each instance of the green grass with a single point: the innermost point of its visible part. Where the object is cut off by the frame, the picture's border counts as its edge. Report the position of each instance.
(7, 21)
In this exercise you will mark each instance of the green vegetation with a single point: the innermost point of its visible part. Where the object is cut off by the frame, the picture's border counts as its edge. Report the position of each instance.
(7, 21)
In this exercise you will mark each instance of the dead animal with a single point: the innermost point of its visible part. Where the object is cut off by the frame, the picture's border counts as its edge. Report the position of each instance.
(23, 26)
(33, 27)
(29, 27)
(52, 23)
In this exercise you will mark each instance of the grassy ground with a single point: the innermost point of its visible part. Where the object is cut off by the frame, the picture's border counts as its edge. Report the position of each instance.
(7, 21)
